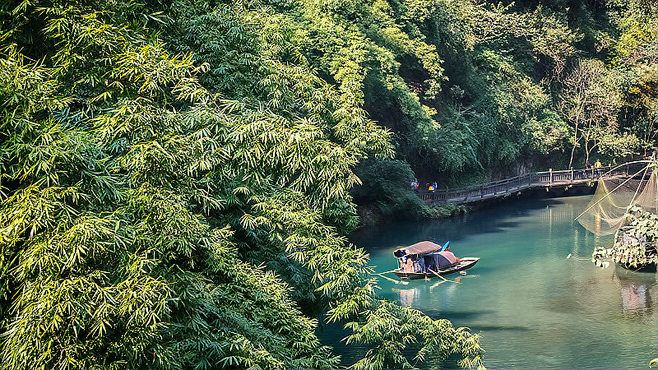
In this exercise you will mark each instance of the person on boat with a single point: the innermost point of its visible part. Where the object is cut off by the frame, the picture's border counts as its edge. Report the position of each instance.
(407, 264)
(597, 167)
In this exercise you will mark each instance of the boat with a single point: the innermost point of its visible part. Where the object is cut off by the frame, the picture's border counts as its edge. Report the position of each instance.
(426, 259)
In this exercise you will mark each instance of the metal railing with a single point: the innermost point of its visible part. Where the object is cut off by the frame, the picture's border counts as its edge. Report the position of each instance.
(511, 185)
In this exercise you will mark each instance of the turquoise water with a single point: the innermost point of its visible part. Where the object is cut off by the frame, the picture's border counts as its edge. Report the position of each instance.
(534, 307)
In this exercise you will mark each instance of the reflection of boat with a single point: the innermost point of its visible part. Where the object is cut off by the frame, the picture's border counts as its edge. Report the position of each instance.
(407, 296)
(426, 259)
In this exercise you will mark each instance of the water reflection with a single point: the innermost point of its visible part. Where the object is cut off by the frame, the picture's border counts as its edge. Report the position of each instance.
(410, 297)
(534, 307)
(458, 228)
(407, 296)
(635, 288)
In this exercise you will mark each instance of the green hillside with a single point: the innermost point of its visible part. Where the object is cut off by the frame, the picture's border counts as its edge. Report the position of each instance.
(178, 178)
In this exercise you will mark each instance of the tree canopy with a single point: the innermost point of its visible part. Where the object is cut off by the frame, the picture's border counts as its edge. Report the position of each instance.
(178, 178)
(179, 200)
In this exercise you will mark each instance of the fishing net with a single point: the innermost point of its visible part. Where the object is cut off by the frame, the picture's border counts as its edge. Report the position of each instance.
(635, 242)
(614, 196)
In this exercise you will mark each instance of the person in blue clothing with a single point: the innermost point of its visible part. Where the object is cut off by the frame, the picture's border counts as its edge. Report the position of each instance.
(414, 185)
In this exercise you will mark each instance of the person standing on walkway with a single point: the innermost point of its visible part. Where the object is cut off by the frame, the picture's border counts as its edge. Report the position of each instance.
(414, 185)
(597, 167)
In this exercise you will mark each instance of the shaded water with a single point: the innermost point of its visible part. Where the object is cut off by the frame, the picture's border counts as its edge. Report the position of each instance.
(534, 307)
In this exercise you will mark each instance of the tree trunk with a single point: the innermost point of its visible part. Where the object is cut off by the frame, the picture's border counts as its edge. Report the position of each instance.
(573, 148)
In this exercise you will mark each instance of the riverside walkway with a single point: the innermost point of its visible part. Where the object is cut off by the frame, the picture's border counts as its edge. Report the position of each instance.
(517, 184)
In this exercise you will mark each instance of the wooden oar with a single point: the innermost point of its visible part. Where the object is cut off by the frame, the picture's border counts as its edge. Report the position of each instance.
(437, 274)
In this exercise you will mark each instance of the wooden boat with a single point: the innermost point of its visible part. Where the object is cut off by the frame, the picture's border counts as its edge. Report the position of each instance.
(463, 264)
(427, 259)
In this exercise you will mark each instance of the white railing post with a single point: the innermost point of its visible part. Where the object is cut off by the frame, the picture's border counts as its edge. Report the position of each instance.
(550, 176)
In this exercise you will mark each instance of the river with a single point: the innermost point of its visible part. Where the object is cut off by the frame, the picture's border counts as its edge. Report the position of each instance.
(535, 297)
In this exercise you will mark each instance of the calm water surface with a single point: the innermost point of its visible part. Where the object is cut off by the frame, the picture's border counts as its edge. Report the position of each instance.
(534, 307)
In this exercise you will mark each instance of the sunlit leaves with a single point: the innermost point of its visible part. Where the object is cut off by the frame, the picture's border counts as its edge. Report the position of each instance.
(392, 329)
(149, 223)
(635, 241)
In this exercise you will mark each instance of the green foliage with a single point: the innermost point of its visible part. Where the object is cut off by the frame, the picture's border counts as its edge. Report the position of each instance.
(635, 60)
(549, 132)
(178, 178)
(182, 210)
(637, 23)
(494, 109)
(392, 325)
(386, 188)
(591, 101)
(635, 242)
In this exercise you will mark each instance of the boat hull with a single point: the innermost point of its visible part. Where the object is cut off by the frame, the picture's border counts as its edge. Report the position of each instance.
(463, 264)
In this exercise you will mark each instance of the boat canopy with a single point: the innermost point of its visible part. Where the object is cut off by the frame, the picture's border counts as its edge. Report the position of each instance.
(445, 259)
(419, 248)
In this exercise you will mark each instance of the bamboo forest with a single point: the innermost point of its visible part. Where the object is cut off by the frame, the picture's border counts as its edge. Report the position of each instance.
(180, 180)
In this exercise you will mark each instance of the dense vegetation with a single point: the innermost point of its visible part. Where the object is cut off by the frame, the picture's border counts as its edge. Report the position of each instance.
(178, 177)
(635, 242)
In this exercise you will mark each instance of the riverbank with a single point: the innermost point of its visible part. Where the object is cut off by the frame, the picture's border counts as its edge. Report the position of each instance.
(373, 215)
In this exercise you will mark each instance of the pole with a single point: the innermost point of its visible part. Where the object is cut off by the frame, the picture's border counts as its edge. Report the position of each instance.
(550, 176)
